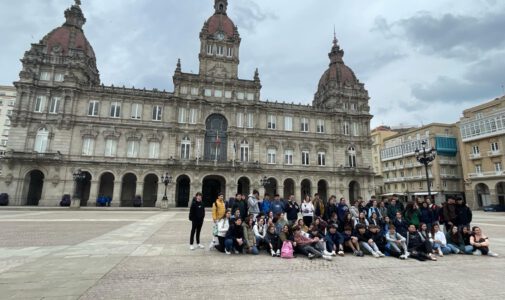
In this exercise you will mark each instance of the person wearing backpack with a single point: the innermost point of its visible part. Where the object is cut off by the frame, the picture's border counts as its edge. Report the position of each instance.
(218, 212)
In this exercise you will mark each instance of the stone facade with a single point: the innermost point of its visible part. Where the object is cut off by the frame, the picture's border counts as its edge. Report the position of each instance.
(213, 133)
(7, 101)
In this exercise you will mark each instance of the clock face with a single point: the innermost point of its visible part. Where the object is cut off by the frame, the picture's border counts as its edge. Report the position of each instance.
(220, 35)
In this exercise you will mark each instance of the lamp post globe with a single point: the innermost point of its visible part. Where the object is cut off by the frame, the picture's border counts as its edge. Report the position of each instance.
(426, 157)
(166, 179)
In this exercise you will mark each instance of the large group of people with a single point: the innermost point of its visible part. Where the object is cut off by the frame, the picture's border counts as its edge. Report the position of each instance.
(324, 229)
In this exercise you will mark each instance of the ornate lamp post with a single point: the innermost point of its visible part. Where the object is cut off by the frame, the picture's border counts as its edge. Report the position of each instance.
(166, 179)
(425, 157)
(79, 178)
(264, 182)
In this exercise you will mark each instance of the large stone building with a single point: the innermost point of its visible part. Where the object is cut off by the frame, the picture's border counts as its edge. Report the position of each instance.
(212, 133)
(482, 130)
(7, 101)
(404, 175)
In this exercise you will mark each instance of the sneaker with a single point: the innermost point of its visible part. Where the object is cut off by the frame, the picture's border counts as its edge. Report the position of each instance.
(375, 254)
(326, 253)
(360, 253)
(333, 253)
(200, 246)
(211, 245)
(327, 257)
(341, 253)
(477, 252)
(278, 253)
(407, 254)
(403, 256)
(310, 256)
(492, 254)
(381, 254)
(236, 252)
(227, 252)
(432, 257)
(191, 247)
(356, 253)
(440, 253)
(272, 252)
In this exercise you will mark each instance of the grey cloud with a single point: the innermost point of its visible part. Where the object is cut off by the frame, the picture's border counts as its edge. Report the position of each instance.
(248, 14)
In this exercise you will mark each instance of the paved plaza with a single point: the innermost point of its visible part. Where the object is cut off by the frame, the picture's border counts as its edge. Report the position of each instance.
(113, 254)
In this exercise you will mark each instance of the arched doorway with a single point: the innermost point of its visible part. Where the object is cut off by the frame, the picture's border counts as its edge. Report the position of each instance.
(216, 138)
(500, 193)
(106, 186)
(354, 191)
(211, 186)
(35, 182)
(243, 186)
(182, 191)
(322, 190)
(84, 188)
(306, 187)
(271, 187)
(150, 192)
(289, 188)
(482, 194)
(128, 189)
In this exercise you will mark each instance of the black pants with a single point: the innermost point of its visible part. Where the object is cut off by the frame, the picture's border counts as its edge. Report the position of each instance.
(307, 220)
(196, 227)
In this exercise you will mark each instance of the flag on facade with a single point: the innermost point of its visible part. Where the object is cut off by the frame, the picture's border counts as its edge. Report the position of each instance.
(218, 140)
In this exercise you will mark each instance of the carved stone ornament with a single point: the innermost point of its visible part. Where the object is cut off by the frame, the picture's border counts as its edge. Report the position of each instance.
(8, 179)
(55, 180)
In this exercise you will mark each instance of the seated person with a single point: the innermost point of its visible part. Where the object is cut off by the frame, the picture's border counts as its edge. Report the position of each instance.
(377, 237)
(321, 244)
(260, 232)
(351, 242)
(234, 239)
(466, 234)
(480, 243)
(396, 243)
(455, 240)
(418, 247)
(334, 241)
(249, 236)
(304, 245)
(439, 241)
(273, 242)
(366, 242)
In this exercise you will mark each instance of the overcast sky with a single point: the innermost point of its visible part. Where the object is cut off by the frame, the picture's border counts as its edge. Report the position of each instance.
(421, 61)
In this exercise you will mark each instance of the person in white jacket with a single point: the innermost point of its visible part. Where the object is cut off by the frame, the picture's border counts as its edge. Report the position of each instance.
(222, 228)
(439, 241)
(253, 203)
(260, 231)
(307, 209)
(397, 244)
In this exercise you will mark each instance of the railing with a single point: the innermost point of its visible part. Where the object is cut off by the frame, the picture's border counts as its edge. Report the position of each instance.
(486, 174)
(448, 162)
(474, 155)
(494, 153)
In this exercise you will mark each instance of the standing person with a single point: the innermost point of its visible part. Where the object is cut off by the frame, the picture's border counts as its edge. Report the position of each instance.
(392, 209)
(307, 209)
(218, 211)
(253, 203)
(277, 206)
(196, 216)
(412, 213)
(463, 212)
(374, 209)
(383, 210)
(266, 205)
(240, 206)
(426, 215)
(231, 202)
(318, 206)
(449, 212)
(342, 208)
(331, 207)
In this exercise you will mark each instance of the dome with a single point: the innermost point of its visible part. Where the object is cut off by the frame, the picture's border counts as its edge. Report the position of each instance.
(337, 72)
(220, 22)
(70, 35)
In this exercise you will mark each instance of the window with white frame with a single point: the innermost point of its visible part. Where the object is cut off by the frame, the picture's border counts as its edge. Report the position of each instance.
(250, 120)
(40, 104)
(498, 166)
(355, 129)
(271, 153)
(218, 93)
(220, 50)
(305, 158)
(288, 123)
(345, 128)
(93, 108)
(185, 148)
(207, 92)
(351, 156)
(240, 120)
(45, 76)
(154, 150)
(193, 114)
(88, 146)
(229, 52)
(209, 49)
(321, 158)
(41, 140)
(495, 147)
(54, 106)
(304, 125)
(478, 169)
(157, 113)
(184, 90)
(320, 126)
(115, 109)
(250, 96)
(271, 122)
(240, 96)
(194, 91)
(475, 149)
(132, 148)
(288, 157)
(58, 77)
(228, 94)
(136, 112)
(244, 151)
(182, 115)
(110, 147)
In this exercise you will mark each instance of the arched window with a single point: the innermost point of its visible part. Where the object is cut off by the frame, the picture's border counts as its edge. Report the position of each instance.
(185, 147)
(351, 152)
(244, 151)
(41, 141)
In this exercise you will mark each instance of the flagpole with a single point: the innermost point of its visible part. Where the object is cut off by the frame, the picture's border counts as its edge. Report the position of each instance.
(217, 144)
(197, 151)
(234, 153)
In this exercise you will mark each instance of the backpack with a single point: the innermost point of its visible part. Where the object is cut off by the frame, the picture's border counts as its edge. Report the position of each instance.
(287, 250)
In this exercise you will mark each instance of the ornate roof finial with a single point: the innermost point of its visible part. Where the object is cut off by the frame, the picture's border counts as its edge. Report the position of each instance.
(78, 2)
(221, 6)
(256, 75)
(178, 69)
(335, 41)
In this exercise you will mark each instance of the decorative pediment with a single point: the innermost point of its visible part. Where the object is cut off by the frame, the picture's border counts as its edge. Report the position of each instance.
(112, 134)
(155, 136)
(89, 132)
(272, 144)
(289, 145)
(305, 146)
(133, 135)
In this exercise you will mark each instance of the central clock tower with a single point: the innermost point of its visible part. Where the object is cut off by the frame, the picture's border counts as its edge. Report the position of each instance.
(220, 44)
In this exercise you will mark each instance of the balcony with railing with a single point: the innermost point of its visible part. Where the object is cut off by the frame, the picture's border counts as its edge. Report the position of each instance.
(494, 153)
(474, 156)
(486, 174)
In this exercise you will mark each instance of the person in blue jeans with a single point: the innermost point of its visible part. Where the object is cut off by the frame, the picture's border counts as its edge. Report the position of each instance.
(234, 239)
(334, 241)
(439, 241)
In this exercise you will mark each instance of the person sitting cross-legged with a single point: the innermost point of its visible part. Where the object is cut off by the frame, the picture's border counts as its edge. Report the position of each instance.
(334, 241)
(366, 242)
(304, 245)
(396, 243)
(273, 242)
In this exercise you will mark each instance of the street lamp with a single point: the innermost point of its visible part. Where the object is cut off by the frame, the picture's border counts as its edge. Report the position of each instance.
(264, 181)
(425, 157)
(79, 177)
(166, 179)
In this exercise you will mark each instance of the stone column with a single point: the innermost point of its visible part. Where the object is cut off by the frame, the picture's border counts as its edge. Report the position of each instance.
(93, 192)
(116, 195)
(161, 192)
(139, 190)
(298, 193)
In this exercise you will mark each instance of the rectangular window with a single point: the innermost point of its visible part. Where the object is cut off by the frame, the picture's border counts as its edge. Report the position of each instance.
(250, 96)
(110, 148)
(54, 106)
(207, 92)
(320, 126)
(93, 108)
(244, 153)
(321, 159)
(182, 115)
(184, 90)
(136, 111)
(355, 129)
(478, 169)
(45, 76)
(304, 125)
(88, 146)
(193, 114)
(498, 167)
(271, 122)
(185, 148)
(240, 96)
(240, 120)
(40, 104)
(154, 150)
(58, 77)
(227, 94)
(194, 91)
(133, 148)
(115, 109)
(271, 153)
(345, 128)
(250, 120)
(288, 123)
(444, 183)
(5, 132)
(420, 184)
(220, 50)
(218, 93)
(305, 158)
(494, 147)
(288, 157)
(157, 113)
(209, 49)
(229, 52)
(475, 149)
(3, 143)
